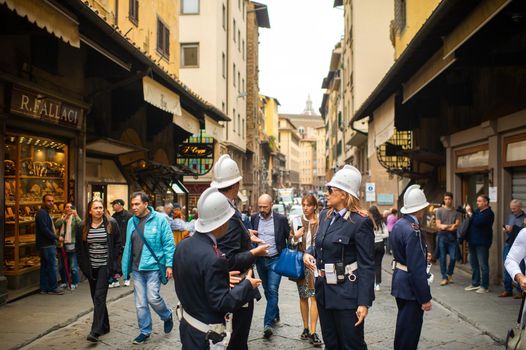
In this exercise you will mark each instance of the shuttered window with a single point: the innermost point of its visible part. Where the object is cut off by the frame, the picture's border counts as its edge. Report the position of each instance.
(163, 39)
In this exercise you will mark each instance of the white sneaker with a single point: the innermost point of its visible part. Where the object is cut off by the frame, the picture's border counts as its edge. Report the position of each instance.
(471, 287)
(116, 284)
(73, 286)
(126, 283)
(482, 290)
(63, 286)
(377, 287)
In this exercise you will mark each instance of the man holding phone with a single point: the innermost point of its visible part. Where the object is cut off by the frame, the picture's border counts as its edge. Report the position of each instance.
(513, 225)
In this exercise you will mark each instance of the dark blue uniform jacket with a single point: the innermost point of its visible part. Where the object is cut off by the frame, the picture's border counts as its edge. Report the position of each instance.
(355, 238)
(236, 246)
(410, 249)
(202, 281)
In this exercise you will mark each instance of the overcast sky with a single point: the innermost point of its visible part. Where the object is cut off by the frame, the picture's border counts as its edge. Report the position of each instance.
(295, 52)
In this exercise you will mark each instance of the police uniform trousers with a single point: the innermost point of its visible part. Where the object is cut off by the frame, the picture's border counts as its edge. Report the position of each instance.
(191, 338)
(241, 321)
(338, 330)
(408, 324)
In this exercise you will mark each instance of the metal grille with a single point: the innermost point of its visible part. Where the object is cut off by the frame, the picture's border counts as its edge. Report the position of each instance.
(518, 184)
(390, 154)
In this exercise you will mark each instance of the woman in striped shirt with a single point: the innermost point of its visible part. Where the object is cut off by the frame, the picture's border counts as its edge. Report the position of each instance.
(98, 250)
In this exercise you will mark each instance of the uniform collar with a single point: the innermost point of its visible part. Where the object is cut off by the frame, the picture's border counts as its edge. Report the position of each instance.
(212, 237)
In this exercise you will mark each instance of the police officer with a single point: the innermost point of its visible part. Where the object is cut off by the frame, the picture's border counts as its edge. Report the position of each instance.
(344, 263)
(202, 278)
(237, 246)
(410, 276)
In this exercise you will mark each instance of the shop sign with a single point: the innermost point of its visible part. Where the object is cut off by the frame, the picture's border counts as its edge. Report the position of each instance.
(370, 192)
(48, 109)
(189, 150)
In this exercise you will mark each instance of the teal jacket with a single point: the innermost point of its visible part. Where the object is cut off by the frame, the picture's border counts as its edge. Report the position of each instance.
(160, 238)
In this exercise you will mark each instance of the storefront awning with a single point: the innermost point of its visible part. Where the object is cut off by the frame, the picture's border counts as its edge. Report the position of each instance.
(242, 197)
(111, 146)
(49, 16)
(161, 97)
(187, 122)
(178, 187)
(213, 128)
(384, 118)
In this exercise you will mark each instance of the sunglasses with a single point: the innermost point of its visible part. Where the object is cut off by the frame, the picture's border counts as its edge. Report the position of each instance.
(329, 189)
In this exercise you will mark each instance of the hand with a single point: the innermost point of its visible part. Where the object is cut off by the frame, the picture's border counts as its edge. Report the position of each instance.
(508, 228)
(427, 306)
(521, 279)
(169, 272)
(299, 233)
(255, 282)
(74, 213)
(253, 232)
(309, 262)
(234, 278)
(361, 313)
(261, 250)
(256, 239)
(60, 238)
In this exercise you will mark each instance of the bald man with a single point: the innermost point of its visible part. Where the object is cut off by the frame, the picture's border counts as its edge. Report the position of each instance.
(273, 228)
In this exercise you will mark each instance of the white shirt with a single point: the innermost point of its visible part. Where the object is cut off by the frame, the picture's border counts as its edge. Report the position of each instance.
(516, 255)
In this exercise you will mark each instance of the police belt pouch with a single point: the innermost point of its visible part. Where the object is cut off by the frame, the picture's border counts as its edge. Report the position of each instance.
(218, 334)
(162, 267)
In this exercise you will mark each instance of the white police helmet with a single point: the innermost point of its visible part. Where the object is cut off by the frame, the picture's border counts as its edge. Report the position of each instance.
(347, 179)
(414, 200)
(226, 172)
(214, 210)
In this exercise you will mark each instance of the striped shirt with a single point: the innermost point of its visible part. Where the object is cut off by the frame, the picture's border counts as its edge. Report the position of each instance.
(98, 246)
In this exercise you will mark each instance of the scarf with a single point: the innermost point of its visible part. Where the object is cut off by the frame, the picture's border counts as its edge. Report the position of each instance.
(67, 229)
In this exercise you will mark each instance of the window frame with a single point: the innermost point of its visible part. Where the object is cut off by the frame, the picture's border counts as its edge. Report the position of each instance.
(224, 65)
(163, 52)
(189, 45)
(133, 17)
(234, 74)
(234, 27)
(190, 13)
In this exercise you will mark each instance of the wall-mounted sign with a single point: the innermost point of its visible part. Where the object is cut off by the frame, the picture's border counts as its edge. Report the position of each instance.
(195, 150)
(197, 153)
(45, 108)
(370, 192)
(385, 199)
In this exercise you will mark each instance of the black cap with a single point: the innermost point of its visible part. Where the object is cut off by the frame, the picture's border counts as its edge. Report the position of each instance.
(118, 201)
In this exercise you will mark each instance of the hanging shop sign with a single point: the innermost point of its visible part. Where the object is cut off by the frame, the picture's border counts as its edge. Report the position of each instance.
(197, 153)
(45, 108)
(195, 150)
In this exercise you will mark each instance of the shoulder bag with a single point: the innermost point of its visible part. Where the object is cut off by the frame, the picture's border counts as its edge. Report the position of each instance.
(162, 267)
(290, 264)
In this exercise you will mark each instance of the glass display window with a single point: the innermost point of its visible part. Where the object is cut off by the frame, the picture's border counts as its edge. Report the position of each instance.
(33, 167)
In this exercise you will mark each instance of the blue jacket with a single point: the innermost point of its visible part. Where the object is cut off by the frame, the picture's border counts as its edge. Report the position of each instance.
(44, 226)
(351, 237)
(480, 232)
(410, 249)
(160, 238)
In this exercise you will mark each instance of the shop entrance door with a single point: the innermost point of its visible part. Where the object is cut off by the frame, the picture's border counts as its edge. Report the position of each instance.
(97, 191)
(473, 185)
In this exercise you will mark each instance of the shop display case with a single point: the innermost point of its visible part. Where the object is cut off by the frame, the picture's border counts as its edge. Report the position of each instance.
(33, 167)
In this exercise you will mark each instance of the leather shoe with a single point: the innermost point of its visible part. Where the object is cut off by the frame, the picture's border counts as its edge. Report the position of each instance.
(517, 296)
(505, 294)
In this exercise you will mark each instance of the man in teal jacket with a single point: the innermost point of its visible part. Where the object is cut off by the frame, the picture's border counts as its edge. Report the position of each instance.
(148, 226)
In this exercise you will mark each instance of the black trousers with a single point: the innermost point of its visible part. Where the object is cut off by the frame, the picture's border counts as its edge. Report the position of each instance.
(98, 284)
(408, 324)
(191, 338)
(379, 252)
(242, 319)
(338, 330)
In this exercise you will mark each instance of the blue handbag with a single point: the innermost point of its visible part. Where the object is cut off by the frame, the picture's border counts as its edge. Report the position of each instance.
(290, 264)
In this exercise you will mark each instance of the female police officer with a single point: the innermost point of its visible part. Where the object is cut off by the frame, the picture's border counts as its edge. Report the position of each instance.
(344, 253)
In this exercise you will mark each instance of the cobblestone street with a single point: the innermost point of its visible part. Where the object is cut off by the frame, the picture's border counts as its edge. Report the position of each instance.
(442, 329)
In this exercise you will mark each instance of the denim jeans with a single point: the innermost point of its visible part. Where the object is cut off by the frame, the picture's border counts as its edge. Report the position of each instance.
(478, 258)
(73, 268)
(270, 281)
(48, 269)
(508, 281)
(146, 290)
(447, 244)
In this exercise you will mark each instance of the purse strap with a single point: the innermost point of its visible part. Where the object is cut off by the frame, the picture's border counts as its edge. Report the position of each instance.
(139, 232)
